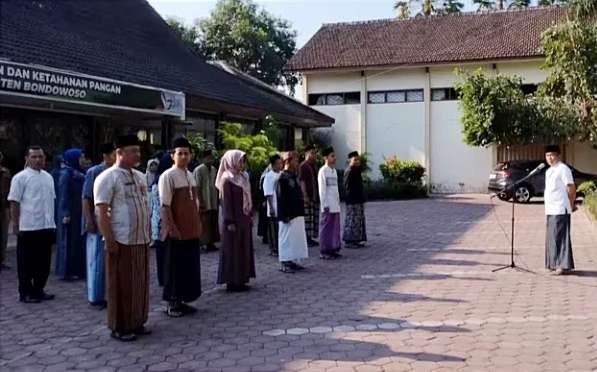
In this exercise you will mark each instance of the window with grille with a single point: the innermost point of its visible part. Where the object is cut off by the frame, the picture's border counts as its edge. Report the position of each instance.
(345, 98)
(444, 94)
(396, 96)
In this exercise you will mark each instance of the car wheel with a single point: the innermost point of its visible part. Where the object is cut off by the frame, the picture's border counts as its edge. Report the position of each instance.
(522, 194)
(504, 196)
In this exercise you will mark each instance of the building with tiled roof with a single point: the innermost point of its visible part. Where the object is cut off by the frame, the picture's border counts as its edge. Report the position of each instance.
(75, 70)
(390, 86)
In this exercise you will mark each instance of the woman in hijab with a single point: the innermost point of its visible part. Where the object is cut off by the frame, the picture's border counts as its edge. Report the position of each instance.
(237, 261)
(70, 246)
(151, 173)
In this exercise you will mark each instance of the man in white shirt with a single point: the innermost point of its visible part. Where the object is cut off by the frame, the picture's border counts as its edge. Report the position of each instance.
(269, 191)
(560, 194)
(31, 200)
(122, 209)
(329, 196)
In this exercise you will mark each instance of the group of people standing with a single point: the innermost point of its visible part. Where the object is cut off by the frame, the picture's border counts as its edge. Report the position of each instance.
(303, 204)
(103, 221)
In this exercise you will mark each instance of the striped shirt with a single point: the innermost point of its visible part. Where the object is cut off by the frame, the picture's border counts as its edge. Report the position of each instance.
(125, 192)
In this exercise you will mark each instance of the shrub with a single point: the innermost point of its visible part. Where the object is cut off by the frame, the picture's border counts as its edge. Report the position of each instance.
(589, 191)
(200, 144)
(402, 171)
(402, 179)
(258, 147)
(587, 188)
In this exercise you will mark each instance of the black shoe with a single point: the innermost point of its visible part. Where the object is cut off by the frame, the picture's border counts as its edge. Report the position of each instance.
(295, 266)
(211, 248)
(237, 288)
(45, 296)
(187, 309)
(29, 299)
(99, 305)
(286, 268)
(142, 331)
(124, 337)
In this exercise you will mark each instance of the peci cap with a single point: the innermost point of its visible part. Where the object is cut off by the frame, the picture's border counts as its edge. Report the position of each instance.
(127, 140)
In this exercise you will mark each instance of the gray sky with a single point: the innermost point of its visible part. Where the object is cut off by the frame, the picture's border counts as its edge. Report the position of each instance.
(306, 16)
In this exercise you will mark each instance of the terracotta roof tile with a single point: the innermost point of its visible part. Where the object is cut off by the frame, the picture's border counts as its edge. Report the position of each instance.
(419, 41)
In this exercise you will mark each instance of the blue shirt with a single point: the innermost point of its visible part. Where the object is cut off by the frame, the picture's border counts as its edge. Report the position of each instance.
(90, 177)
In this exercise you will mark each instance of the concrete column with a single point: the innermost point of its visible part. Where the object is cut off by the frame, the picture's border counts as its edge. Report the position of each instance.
(363, 113)
(427, 100)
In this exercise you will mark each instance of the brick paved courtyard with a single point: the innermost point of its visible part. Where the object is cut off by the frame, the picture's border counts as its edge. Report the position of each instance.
(421, 297)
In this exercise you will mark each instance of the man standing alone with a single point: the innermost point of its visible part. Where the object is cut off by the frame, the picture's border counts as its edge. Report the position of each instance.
(560, 194)
(182, 228)
(307, 175)
(205, 176)
(120, 195)
(292, 242)
(269, 191)
(32, 212)
(329, 225)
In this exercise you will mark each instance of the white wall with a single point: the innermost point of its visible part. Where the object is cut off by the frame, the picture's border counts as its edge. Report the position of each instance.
(345, 132)
(399, 129)
(395, 129)
(455, 166)
(585, 158)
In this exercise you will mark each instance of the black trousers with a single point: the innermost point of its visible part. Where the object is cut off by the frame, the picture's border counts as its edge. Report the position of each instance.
(34, 255)
(272, 234)
(182, 270)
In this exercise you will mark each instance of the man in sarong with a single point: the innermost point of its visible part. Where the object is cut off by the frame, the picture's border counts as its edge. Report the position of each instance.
(560, 194)
(270, 182)
(329, 196)
(292, 241)
(307, 175)
(354, 222)
(122, 208)
(205, 176)
(181, 228)
(96, 279)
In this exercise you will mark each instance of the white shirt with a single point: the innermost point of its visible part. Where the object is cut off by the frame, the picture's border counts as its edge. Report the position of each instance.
(34, 191)
(329, 196)
(125, 192)
(270, 182)
(172, 179)
(557, 178)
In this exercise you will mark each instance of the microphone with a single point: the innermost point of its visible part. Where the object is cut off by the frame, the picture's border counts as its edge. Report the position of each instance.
(536, 170)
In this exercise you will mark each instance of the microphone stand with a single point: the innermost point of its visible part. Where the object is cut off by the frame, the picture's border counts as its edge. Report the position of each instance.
(511, 187)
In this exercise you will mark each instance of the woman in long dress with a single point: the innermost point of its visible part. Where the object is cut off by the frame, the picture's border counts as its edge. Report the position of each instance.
(70, 252)
(237, 260)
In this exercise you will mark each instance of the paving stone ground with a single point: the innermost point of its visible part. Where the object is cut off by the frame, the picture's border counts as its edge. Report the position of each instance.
(421, 297)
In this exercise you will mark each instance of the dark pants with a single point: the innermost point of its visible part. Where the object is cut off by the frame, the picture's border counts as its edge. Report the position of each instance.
(34, 255)
(159, 260)
(272, 233)
(182, 270)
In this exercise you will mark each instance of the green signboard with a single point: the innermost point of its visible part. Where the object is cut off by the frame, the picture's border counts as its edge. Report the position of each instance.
(57, 85)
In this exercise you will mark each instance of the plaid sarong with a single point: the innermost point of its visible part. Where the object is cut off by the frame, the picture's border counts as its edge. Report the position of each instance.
(312, 220)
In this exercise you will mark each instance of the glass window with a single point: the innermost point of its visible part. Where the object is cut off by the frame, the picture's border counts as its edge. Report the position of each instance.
(439, 95)
(334, 99)
(352, 98)
(316, 99)
(377, 97)
(396, 96)
(414, 95)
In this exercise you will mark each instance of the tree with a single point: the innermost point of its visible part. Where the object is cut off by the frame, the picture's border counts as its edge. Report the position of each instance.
(189, 35)
(403, 10)
(452, 6)
(250, 39)
(427, 8)
(484, 4)
(571, 59)
(551, 2)
(520, 3)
